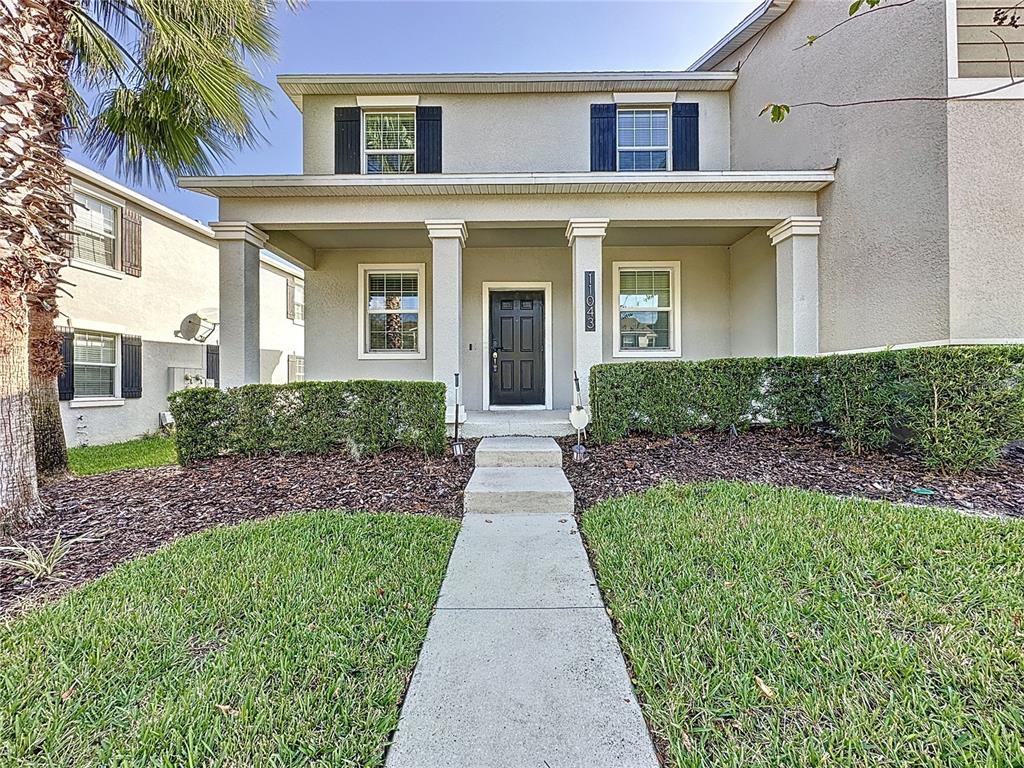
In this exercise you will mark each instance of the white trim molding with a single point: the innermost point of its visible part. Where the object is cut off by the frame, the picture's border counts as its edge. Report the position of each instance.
(645, 97)
(485, 345)
(362, 350)
(239, 230)
(372, 102)
(585, 228)
(795, 225)
(675, 348)
(441, 228)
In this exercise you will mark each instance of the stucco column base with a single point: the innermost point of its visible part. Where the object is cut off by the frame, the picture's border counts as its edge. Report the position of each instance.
(447, 238)
(796, 281)
(239, 244)
(586, 239)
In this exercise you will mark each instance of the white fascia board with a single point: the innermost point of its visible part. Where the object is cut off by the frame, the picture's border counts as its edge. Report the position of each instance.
(89, 176)
(763, 15)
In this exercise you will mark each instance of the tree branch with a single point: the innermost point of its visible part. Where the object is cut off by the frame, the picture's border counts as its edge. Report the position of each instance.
(811, 39)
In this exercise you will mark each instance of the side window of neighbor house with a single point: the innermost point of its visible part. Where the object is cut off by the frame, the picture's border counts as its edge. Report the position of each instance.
(392, 305)
(643, 139)
(390, 142)
(300, 301)
(647, 309)
(296, 368)
(95, 231)
(95, 359)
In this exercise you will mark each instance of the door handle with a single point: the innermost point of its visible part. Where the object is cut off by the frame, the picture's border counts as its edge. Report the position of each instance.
(494, 361)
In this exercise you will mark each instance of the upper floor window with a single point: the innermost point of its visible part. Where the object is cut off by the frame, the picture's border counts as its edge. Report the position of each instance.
(95, 231)
(300, 302)
(643, 139)
(390, 142)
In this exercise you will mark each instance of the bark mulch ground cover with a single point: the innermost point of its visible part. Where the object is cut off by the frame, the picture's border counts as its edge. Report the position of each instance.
(132, 512)
(784, 457)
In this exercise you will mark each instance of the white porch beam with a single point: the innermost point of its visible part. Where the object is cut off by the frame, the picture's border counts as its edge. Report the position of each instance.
(239, 244)
(586, 239)
(447, 238)
(796, 284)
(291, 249)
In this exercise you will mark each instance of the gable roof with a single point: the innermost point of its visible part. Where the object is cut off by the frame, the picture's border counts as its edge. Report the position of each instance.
(759, 18)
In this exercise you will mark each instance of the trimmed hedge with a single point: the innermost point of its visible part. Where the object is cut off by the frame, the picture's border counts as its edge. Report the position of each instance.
(363, 417)
(955, 406)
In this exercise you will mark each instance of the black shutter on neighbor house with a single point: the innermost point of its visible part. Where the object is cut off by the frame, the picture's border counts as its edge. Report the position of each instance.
(131, 242)
(602, 137)
(213, 363)
(346, 140)
(685, 138)
(66, 380)
(428, 140)
(131, 366)
(289, 299)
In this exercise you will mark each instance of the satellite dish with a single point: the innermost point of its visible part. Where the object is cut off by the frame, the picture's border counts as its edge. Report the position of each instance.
(195, 327)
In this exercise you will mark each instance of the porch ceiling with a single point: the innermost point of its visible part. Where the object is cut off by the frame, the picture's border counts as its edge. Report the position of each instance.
(520, 237)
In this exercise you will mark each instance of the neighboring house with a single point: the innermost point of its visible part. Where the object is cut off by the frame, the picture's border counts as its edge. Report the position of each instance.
(137, 270)
(519, 227)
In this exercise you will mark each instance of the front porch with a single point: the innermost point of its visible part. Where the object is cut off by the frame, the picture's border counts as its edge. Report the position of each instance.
(506, 423)
(525, 286)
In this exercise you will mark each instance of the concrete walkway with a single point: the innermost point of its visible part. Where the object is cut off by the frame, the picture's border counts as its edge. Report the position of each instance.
(520, 667)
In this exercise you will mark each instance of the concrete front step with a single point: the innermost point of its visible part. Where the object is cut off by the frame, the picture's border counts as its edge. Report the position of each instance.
(494, 490)
(518, 452)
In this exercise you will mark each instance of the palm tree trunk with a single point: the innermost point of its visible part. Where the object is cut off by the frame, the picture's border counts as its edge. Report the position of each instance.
(19, 499)
(44, 365)
(34, 222)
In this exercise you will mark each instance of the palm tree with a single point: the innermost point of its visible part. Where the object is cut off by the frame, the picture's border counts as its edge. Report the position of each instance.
(163, 87)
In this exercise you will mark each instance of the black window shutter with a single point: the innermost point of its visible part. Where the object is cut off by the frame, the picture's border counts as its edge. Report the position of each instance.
(428, 140)
(346, 140)
(131, 242)
(685, 138)
(213, 363)
(66, 380)
(131, 366)
(602, 137)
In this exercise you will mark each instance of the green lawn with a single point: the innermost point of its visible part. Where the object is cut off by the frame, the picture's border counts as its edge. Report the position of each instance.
(286, 642)
(144, 452)
(771, 627)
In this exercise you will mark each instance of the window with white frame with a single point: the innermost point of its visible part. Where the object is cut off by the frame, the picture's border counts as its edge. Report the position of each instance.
(94, 231)
(647, 321)
(296, 368)
(95, 360)
(390, 142)
(643, 139)
(391, 300)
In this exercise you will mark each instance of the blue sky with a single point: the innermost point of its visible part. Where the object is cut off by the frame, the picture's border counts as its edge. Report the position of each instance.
(330, 36)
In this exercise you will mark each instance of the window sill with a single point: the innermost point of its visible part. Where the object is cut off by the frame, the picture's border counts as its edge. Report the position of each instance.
(641, 354)
(99, 269)
(96, 402)
(392, 355)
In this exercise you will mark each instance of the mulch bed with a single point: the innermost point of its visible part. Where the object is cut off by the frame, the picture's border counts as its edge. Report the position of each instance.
(128, 513)
(783, 457)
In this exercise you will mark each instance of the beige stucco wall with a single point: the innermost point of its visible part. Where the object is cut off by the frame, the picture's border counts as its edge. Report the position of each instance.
(510, 133)
(703, 302)
(986, 198)
(752, 299)
(884, 274)
(279, 336)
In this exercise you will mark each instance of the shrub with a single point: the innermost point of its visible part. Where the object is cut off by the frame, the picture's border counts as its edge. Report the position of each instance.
(363, 417)
(956, 406)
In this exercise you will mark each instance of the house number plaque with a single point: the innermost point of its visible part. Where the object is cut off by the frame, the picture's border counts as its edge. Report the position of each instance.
(589, 307)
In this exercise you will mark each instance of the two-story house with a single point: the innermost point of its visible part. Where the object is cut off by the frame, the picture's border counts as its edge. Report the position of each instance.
(516, 228)
(137, 270)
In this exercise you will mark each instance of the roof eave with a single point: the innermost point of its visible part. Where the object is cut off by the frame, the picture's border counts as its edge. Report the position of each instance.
(759, 18)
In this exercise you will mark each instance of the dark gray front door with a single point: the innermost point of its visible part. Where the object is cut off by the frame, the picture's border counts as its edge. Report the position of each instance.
(517, 347)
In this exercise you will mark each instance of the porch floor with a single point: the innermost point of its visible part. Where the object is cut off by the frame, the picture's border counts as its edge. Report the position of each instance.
(505, 423)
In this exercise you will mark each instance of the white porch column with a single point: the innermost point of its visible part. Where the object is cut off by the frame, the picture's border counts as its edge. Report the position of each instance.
(796, 284)
(586, 238)
(447, 237)
(239, 243)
